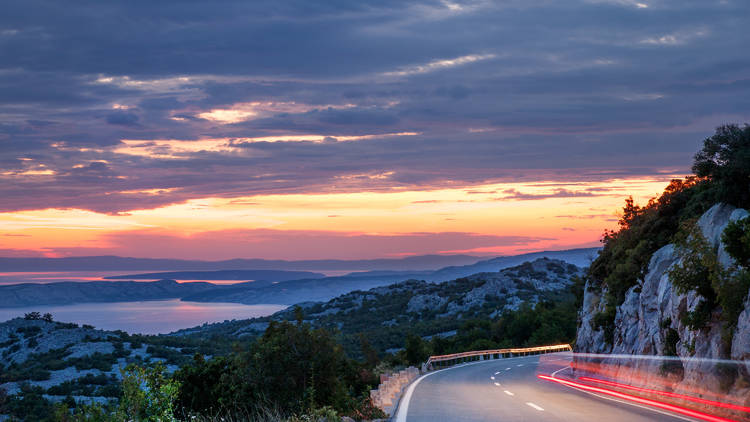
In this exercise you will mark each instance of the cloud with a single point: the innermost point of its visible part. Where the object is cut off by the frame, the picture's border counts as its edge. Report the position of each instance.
(434, 94)
(513, 194)
(439, 64)
(122, 118)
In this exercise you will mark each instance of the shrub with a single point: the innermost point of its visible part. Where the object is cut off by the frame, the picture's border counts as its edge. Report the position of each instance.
(32, 316)
(736, 238)
(148, 393)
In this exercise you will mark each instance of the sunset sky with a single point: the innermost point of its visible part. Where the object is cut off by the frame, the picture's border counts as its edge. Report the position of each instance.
(351, 129)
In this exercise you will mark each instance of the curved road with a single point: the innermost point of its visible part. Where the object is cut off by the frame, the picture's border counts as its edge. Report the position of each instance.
(509, 390)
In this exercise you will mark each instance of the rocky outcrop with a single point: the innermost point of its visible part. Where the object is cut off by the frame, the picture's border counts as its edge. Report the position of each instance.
(650, 320)
(49, 354)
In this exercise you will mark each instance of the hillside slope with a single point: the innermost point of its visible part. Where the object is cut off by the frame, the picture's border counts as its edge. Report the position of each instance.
(385, 315)
(60, 359)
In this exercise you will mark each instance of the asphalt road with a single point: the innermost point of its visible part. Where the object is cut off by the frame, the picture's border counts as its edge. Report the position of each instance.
(509, 390)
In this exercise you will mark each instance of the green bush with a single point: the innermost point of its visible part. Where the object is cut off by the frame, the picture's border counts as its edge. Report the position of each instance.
(29, 331)
(148, 394)
(416, 349)
(736, 238)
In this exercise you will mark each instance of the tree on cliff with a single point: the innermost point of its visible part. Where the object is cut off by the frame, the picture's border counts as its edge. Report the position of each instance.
(725, 160)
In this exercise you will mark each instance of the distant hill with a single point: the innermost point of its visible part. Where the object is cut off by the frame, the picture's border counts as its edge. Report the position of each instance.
(321, 289)
(257, 275)
(116, 263)
(294, 291)
(579, 257)
(272, 287)
(19, 295)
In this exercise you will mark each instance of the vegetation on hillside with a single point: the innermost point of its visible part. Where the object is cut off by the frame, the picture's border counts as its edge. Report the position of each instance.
(722, 174)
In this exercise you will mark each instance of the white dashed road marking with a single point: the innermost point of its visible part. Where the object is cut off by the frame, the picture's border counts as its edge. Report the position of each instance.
(497, 372)
(534, 406)
(507, 369)
(497, 384)
(492, 378)
(509, 393)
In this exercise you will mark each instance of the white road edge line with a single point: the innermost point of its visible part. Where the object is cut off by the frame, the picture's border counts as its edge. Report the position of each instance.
(674, 415)
(403, 404)
(535, 406)
(508, 393)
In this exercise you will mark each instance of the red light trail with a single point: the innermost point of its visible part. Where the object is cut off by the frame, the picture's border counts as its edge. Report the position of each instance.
(669, 394)
(648, 402)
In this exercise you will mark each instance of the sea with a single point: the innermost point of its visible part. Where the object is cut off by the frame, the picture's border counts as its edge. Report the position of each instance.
(142, 317)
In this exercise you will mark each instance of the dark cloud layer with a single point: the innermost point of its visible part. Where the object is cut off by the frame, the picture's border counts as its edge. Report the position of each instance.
(488, 91)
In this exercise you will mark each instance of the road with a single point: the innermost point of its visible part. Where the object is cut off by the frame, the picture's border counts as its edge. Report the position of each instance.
(509, 390)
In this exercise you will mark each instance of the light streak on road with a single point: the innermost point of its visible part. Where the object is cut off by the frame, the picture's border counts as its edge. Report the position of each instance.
(669, 394)
(636, 399)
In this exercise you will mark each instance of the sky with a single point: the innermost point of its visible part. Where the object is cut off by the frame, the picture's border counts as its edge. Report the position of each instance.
(351, 129)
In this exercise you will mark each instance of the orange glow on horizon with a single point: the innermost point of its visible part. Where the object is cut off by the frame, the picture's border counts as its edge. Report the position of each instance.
(559, 215)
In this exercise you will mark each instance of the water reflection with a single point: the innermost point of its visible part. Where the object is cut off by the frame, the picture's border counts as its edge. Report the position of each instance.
(146, 317)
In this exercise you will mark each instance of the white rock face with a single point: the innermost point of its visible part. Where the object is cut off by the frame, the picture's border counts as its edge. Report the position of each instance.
(589, 339)
(741, 342)
(652, 308)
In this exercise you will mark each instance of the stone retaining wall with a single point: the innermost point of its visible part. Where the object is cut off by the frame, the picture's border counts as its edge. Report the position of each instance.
(391, 387)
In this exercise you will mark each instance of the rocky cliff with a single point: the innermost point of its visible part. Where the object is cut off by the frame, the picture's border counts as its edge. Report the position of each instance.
(651, 320)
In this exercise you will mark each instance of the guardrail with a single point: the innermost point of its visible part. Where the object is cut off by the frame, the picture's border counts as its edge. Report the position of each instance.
(452, 359)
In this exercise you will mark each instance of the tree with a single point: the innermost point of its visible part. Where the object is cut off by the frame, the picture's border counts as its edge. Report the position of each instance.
(417, 351)
(725, 159)
(736, 238)
(148, 394)
(32, 316)
(203, 386)
(368, 352)
(298, 368)
(47, 317)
